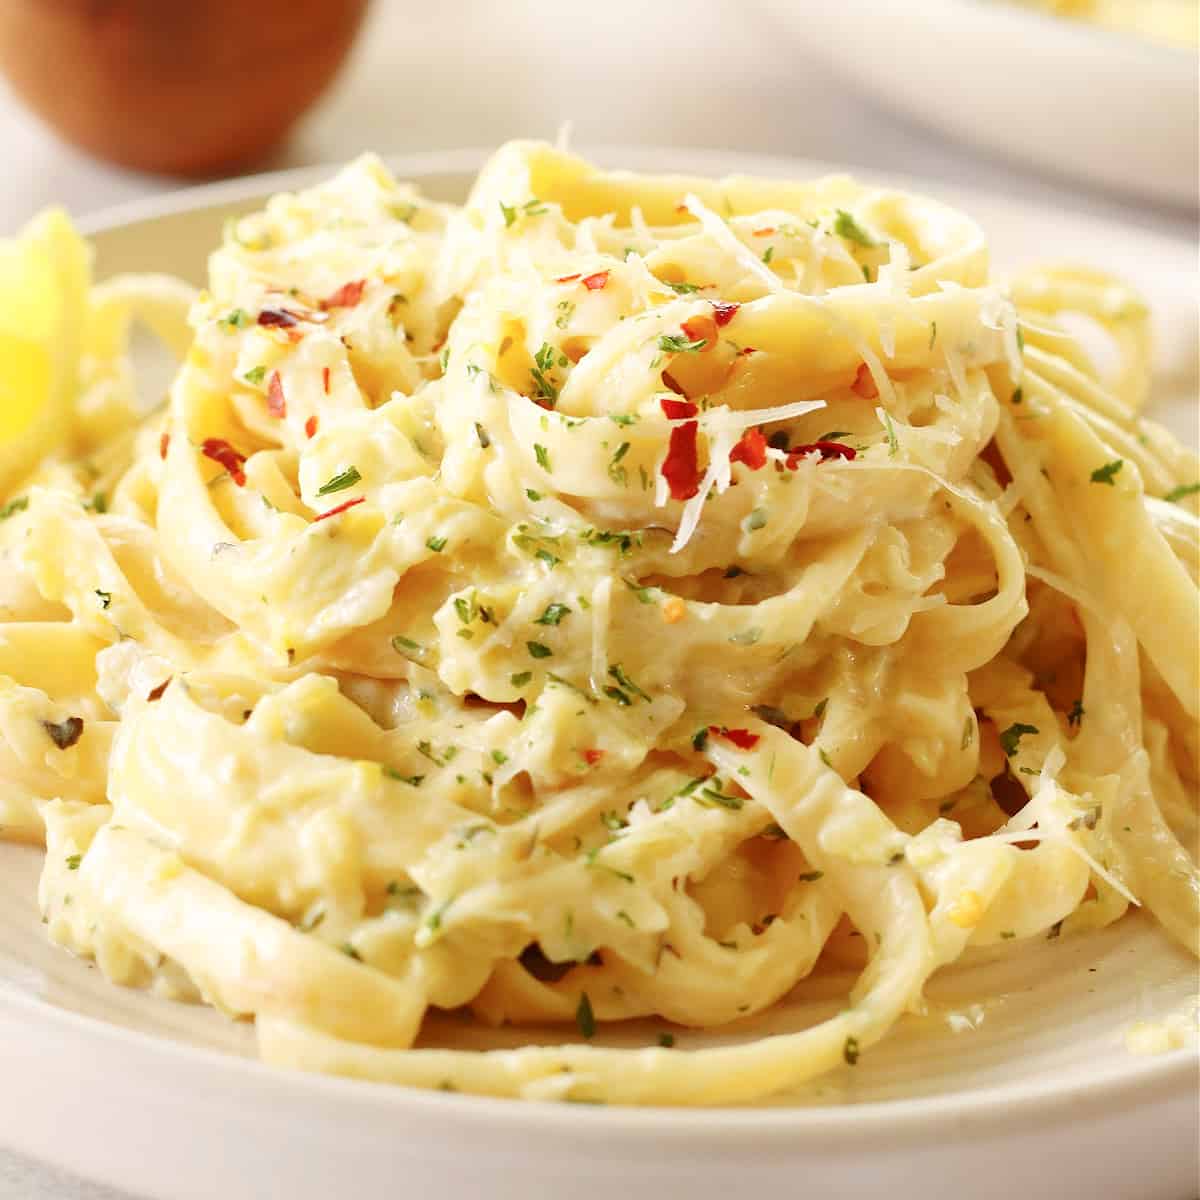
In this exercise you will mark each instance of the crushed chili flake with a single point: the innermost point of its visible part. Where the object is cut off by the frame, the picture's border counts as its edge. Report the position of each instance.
(592, 757)
(341, 508)
(220, 451)
(347, 296)
(751, 449)
(678, 410)
(724, 312)
(680, 468)
(766, 231)
(743, 739)
(325, 380)
(701, 328)
(310, 426)
(276, 403)
(157, 693)
(595, 282)
(864, 383)
(164, 444)
(746, 351)
(276, 317)
(567, 278)
(826, 450)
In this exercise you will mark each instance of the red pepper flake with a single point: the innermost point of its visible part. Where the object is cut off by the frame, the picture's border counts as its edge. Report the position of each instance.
(864, 383)
(826, 450)
(595, 282)
(567, 278)
(701, 328)
(765, 232)
(680, 469)
(592, 757)
(751, 450)
(678, 410)
(276, 403)
(743, 739)
(310, 426)
(341, 508)
(325, 380)
(682, 208)
(220, 451)
(723, 312)
(347, 296)
(157, 693)
(276, 317)
(164, 444)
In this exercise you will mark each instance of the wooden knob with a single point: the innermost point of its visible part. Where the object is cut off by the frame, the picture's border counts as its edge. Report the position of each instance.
(185, 87)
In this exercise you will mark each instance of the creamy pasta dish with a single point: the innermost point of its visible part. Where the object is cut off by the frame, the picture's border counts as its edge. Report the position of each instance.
(617, 596)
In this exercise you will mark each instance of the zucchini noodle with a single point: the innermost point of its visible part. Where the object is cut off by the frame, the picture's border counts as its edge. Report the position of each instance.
(601, 600)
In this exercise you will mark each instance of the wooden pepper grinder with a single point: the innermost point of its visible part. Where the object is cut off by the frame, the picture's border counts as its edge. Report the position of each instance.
(183, 87)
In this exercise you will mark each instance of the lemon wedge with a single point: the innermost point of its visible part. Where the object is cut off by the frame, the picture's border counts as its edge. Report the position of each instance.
(44, 278)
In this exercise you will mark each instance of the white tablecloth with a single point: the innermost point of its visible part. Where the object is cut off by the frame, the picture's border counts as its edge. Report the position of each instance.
(716, 74)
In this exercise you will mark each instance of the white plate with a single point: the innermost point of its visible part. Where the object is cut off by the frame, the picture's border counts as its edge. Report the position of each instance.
(1107, 108)
(1017, 1082)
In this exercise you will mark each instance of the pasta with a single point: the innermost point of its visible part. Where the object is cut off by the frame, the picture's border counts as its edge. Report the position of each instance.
(609, 598)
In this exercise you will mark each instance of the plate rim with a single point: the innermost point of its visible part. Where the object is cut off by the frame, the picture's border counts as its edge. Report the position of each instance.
(1006, 1108)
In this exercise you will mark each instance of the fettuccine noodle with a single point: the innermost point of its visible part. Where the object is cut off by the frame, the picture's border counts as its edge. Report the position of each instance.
(606, 599)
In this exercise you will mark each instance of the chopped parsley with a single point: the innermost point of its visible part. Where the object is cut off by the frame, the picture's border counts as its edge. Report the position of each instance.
(1010, 739)
(700, 739)
(237, 319)
(553, 615)
(850, 1051)
(757, 519)
(584, 1017)
(340, 482)
(105, 598)
(436, 544)
(616, 472)
(255, 375)
(968, 734)
(893, 444)
(617, 672)
(520, 678)
(1184, 489)
(1106, 473)
(538, 650)
(677, 343)
(482, 435)
(73, 861)
(666, 1040)
(542, 455)
(1075, 716)
(16, 505)
(810, 876)
(845, 226)
(543, 387)
(408, 648)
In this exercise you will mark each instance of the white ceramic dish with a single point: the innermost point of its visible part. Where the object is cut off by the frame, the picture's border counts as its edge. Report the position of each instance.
(1017, 1082)
(1079, 101)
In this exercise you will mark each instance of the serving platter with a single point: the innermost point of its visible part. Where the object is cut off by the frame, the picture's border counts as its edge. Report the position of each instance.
(1019, 1074)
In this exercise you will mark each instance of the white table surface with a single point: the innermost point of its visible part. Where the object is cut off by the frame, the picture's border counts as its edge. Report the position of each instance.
(707, 73)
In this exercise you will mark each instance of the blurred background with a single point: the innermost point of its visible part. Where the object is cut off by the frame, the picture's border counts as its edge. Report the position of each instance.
(978, 92)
